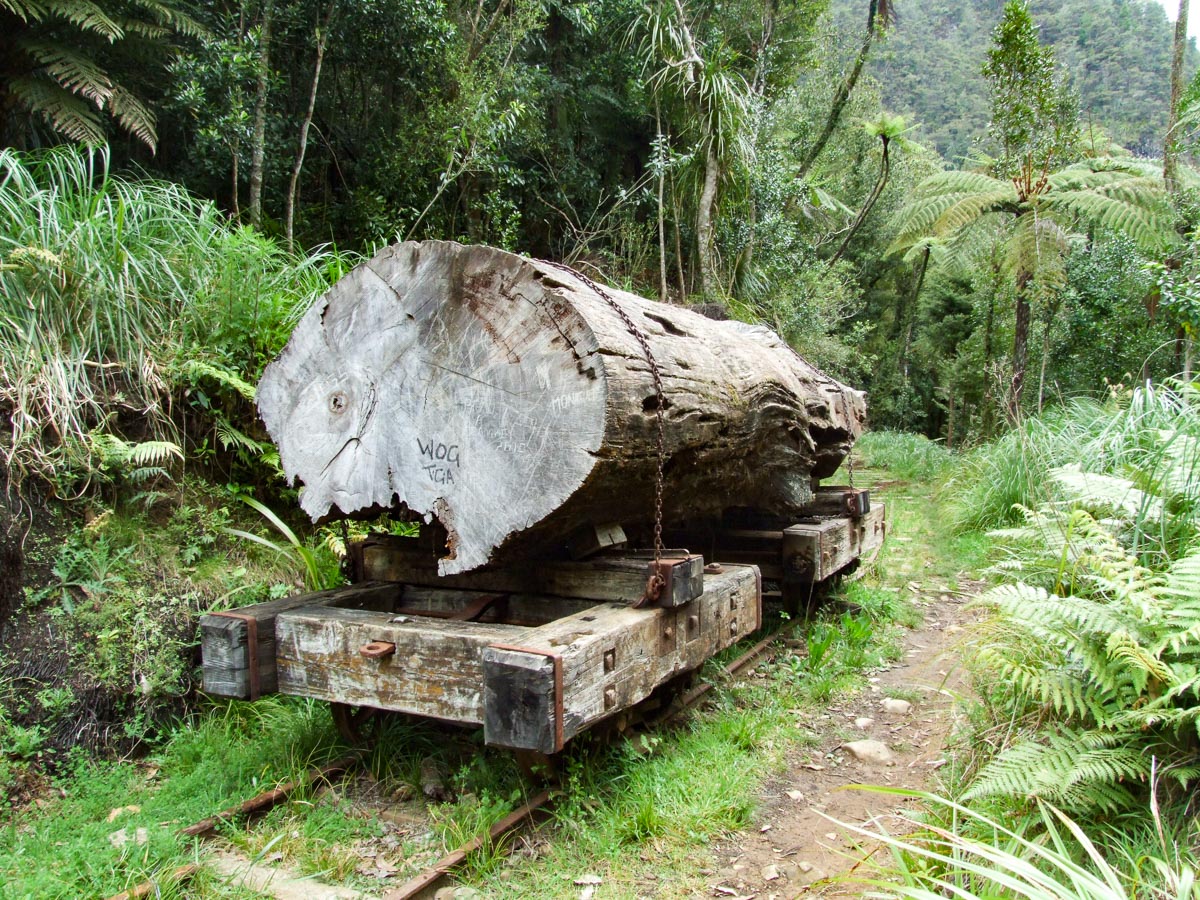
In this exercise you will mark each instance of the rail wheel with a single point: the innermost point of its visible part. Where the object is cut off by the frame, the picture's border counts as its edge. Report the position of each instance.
(358, 725)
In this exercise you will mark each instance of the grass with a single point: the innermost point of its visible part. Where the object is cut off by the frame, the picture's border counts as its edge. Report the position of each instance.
(115, 297)
(908, 456)
(60, 847)
(1057, 861)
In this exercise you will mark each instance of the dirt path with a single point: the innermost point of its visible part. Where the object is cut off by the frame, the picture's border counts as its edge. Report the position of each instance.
(907, 712)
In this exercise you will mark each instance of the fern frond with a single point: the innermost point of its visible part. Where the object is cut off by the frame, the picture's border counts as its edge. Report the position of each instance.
(71, 70)
(134, 116)
(198, 368)
(153, 453)
(232, 437)
(1056, 687)
(1063, 620)
(1182, 580)
(66, 113)
(1104, 492)
(1147, 224)
(944, 214)
(85, 15)
(1122, 647)
(168, 17)
(1076, 769)
(25, 10)
(147, 473)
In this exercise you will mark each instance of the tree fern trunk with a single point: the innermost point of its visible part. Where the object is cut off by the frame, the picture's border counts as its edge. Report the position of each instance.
(880, 183)
(1020, 348)
(662, 225)
(293, 184)
(704, 221)
(845, 89)
(1170, 144)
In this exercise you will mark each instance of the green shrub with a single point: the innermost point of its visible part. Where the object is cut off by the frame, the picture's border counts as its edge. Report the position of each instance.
(120, 297)
(1149, 434)
(1095, 649)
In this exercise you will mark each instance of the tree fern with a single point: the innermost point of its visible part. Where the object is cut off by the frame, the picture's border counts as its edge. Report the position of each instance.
(61, 57)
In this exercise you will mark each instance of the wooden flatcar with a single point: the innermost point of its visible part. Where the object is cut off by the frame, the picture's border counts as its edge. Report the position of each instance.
(538, 653)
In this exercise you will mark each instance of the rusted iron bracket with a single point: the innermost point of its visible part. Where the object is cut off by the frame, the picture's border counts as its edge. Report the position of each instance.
(377, 649)
(858, 503)
(675, 578)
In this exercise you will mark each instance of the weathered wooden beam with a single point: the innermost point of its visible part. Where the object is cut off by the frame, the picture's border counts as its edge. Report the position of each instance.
(838, 500)
(436, 669)
(238, 646)
(530, 687)
(593, 665)
(817, 550)
(619, 577)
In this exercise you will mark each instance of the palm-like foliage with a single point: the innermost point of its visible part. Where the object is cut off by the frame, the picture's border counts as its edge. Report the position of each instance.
(1124, 195)
(1036, 220)
(59, 57)
(715, 102)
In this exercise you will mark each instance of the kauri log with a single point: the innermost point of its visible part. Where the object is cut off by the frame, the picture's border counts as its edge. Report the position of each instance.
(507, 399)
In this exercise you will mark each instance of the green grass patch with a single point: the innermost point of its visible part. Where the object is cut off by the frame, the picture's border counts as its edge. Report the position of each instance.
(61, 847)
(904, 455)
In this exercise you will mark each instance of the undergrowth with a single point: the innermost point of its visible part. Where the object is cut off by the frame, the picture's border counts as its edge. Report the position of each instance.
(1088, 672)
(133, 318)
(903, 454)
(88, 822)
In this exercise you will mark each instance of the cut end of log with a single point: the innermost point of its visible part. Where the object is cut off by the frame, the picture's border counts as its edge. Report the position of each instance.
(437, 378)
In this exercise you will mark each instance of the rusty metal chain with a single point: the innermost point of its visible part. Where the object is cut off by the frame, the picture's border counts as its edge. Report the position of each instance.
(656, 582)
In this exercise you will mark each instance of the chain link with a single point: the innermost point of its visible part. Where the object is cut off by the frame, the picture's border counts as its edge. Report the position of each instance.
(656, 582)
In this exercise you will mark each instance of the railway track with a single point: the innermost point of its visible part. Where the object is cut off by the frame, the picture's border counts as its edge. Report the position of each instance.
(423, 884)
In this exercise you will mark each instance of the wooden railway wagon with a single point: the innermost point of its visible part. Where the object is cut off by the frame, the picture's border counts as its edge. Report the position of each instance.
(515, 406)
(534, 654)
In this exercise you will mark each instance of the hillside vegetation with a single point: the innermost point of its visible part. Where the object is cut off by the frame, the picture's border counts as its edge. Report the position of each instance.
(1116, 52)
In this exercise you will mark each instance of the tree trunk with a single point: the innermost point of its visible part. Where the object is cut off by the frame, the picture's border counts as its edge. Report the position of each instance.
(704, 222)
(258, 149)
(1170, 141)
(305, 124)
(1020, 349)
(662, 224)
(236, 189)
(12, 555)
(880, 183)
(910, 314)
(683, 291)
(508, 400)
(845, 89)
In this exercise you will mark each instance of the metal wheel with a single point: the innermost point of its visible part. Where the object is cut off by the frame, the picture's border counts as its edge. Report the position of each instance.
(358, 725)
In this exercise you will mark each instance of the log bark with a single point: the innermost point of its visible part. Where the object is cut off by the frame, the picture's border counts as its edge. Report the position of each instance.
(508, 400)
